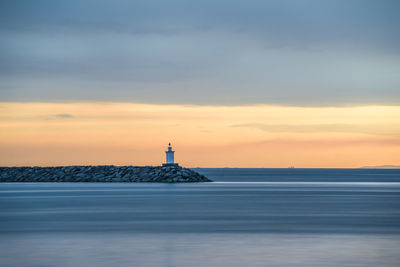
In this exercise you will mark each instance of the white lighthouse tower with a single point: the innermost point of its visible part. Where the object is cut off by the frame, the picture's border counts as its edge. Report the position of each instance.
(169, 156)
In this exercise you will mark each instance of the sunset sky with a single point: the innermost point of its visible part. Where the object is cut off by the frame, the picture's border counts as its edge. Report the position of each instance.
(229, 83)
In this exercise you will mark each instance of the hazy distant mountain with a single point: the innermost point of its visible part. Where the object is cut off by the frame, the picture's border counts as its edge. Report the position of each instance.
(382, 167)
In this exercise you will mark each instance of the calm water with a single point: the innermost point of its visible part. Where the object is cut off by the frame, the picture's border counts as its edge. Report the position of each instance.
(248, 217)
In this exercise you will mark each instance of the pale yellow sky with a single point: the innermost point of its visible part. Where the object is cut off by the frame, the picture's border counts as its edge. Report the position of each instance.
(204, 136)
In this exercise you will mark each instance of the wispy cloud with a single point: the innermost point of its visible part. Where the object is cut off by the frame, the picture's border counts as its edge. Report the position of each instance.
(371, 128)
(59, 116)
(63, 116)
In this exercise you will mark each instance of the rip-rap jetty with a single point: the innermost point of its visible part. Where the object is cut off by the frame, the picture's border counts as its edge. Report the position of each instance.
(130, 174)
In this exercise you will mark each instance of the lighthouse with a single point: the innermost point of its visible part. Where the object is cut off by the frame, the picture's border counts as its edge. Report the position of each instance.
(169, 156)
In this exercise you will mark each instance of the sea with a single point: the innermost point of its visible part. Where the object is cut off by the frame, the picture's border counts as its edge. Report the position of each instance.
(246, 217)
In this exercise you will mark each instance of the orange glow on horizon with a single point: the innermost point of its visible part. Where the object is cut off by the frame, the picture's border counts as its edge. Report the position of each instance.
(205, 136)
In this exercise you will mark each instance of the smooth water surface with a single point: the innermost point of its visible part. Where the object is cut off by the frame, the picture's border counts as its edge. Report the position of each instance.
(253, 220)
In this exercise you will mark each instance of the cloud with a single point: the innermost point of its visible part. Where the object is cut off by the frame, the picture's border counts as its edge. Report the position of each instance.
(206, 52)
(288, 22)
(387, 141)
(372, 129)
(63, 116)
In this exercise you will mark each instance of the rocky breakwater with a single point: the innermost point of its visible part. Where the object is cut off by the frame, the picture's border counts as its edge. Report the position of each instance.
(129, 174)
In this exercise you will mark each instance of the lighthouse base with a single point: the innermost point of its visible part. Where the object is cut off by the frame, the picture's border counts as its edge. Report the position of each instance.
(170, 164)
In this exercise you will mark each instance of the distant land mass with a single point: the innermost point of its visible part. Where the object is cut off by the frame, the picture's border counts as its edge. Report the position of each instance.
(382, 167)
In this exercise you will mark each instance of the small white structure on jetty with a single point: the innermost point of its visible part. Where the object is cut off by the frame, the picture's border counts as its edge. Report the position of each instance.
(170, 156)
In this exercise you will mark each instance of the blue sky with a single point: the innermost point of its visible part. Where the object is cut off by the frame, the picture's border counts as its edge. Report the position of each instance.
(307, 53)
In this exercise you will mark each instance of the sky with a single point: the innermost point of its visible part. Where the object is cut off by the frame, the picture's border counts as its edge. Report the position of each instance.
(230, 83)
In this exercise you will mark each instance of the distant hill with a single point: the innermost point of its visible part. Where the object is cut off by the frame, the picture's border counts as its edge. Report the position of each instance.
(382, 167)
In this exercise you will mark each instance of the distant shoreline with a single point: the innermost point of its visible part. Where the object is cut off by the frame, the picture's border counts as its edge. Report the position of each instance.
(381, 167)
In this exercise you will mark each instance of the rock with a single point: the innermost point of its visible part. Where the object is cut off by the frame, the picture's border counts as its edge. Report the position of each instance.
(164, 174)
